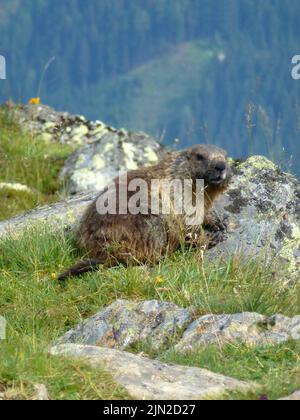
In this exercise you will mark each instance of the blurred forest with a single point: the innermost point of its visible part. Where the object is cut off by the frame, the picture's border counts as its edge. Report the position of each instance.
(198, 70)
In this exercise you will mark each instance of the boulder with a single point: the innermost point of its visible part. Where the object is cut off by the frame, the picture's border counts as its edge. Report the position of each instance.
(248, 328)
(162, 325)
(64, 215)
(261, 210)
(94, 166)
(128, 323)
(146, 379)
(54, 126)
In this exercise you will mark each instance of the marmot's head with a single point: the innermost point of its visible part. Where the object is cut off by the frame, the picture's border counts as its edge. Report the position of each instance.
(209, 163)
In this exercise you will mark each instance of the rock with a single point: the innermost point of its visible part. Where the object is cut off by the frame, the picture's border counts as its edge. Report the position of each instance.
(94, 166)
(294, 397)
(2, 328)
(262, 212)
(64, 215)
(40, 393)
(53, 126)
(248, 328)
(146, 379)
(15, 187)
(128, 323)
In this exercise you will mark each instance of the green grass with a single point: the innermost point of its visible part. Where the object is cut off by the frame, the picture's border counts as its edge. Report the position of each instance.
(276, 368)
(27, 160)
(39, 310)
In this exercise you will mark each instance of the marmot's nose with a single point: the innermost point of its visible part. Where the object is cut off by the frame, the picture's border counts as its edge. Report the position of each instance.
(220, 166)
(221, 169)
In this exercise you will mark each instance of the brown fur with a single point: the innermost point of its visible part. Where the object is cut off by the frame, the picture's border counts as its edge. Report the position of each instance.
(114, 239)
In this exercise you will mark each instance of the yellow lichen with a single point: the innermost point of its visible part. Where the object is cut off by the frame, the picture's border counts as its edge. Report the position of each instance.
(150, 155)
(98, 163)
(129, 151)
(288, 251)
(260, 163)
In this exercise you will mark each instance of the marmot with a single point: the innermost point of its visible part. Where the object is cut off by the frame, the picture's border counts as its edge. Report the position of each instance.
(111, 239)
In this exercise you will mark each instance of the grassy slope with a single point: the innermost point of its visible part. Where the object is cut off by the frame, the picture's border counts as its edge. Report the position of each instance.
(38, 310)
(27, 160)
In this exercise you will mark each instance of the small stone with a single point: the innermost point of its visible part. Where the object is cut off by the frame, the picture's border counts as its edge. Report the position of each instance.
(2, 328)
(40, 393)
(12, 186)
(294, 397)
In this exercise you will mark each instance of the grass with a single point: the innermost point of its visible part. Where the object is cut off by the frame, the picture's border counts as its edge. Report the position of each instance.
(39, 310)
(276, 368)
(27, 160)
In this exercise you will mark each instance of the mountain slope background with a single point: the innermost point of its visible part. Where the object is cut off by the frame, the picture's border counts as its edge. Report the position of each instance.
(197, 70)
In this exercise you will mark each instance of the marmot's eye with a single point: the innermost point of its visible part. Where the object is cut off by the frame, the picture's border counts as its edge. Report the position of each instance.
(199, 156)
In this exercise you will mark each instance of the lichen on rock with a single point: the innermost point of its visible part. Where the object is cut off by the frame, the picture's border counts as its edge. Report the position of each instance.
(248, 328)
(262, 212)
(128, 323)
(94, 166)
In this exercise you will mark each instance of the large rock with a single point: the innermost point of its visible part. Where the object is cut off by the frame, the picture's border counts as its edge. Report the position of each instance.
(54, 126)
(146, 379)
(64, 215)
(248, 328)
(162, 325)
(262, 212)
(127, 323)
(94, 166)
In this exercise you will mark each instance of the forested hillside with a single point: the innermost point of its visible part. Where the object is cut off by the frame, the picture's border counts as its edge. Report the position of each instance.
(198, 70)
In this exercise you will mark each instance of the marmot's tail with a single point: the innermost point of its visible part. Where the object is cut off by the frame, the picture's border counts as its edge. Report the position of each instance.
(79, 269)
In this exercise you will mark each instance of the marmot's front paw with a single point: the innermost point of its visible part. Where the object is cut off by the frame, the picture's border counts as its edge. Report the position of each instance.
(216, 238)
(215, 224)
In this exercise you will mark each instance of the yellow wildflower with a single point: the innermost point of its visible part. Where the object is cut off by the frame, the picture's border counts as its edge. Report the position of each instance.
(159, 280)
(54, 276)
(34, 101)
